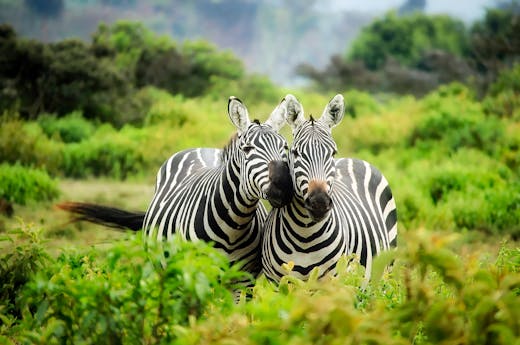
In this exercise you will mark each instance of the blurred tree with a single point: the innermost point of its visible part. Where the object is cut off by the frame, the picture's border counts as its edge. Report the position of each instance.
(123, 43)
(207, 62)
(56, 78)
(77, 80)
(167, 69)
(405, 39)
(23, 65)
(495, 42)
(404, 54)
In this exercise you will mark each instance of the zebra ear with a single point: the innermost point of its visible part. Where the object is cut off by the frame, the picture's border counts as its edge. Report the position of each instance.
(334, 111)
(277, 118)
(238, 114)
(294, 111)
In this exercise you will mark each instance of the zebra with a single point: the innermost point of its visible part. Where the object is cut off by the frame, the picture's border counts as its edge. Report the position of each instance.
(340, 206)
(213, 194)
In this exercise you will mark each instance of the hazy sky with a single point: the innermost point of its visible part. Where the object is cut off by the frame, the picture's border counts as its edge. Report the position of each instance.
(468, 10)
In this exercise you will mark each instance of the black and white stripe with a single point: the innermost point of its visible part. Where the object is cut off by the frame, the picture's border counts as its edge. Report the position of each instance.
(340, 206)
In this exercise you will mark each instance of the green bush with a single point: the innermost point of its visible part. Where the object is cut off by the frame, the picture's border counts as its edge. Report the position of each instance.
(252, 89)
(166, 109)
(495, 211)
(452, 117)
(107, 153)
(127, 296)
(23, 254)
(432, 294)
(503, 98)
(21, 185)
(71, 128)
(359, 103)
(25, 143)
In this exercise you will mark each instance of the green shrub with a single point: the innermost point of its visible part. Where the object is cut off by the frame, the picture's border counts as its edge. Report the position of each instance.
(454, 119)
(252, 89)
(359, 103)
(166, 109)
(25, 143)
(430, 296)
(21, 184)
(22, 255)
(107, 153)
(71, 128)
(406, 38)
(503, 98)
(433, 293)
(128, 296)
(496, 211)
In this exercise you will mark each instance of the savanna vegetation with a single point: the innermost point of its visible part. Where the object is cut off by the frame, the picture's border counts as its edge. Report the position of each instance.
(93, 121)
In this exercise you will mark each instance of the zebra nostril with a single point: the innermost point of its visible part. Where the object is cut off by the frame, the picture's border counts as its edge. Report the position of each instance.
(318, 204)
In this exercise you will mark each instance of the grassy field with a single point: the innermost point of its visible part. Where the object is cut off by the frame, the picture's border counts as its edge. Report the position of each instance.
(62, 234)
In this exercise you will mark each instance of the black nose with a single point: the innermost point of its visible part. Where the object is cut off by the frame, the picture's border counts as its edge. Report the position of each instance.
(318, 203)
(280, 190)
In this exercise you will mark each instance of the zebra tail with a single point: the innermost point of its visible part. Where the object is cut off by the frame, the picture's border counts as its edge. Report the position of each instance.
(104, 215)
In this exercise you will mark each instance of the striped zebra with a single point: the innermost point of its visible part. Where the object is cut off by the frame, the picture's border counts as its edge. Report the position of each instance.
(212, 194)
(340, 206)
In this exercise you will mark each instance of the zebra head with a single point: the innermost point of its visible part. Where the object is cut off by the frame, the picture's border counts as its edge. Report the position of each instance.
(311, 156)
(262, 153)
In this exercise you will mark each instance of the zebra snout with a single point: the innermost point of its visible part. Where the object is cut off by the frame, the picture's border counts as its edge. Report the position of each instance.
(318, 203)
(280, 190)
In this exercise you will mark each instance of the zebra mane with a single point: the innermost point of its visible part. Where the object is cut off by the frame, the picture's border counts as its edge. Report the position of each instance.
(312, 119)
(226, 150)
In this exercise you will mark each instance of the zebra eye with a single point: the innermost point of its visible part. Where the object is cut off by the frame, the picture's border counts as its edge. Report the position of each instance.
(334, 152)
(295, 153)
(247, 148)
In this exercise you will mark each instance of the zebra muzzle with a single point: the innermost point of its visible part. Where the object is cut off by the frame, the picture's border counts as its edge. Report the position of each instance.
(280, 190)
(318, 203)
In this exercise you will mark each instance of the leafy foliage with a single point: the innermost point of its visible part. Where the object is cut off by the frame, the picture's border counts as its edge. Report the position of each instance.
(494, 41)
(406, 38)
(447, 121)
(57, 78)
(70, 128)
(503, 98)
(130, 295)
(23, 254)
(431, 294)
(26, 144)
(107, 153)
(21, 185)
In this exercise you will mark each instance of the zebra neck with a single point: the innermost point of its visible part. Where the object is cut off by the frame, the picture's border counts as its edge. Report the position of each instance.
(232, 196)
